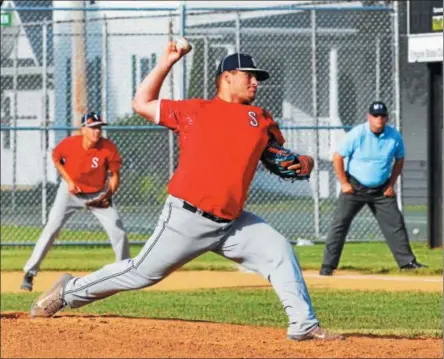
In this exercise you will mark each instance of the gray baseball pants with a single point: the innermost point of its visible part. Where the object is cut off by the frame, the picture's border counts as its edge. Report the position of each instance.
(180, 236)
(64, 206)
(386, 212)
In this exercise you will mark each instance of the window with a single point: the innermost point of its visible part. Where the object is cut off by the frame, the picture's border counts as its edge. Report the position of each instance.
(144, 67)
(68, 95)
(140, 67)
(47, 119)
(134, 74)
(94, 79)
(6, 120)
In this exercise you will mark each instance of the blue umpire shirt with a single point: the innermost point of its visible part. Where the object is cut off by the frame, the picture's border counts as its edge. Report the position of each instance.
(370, 157)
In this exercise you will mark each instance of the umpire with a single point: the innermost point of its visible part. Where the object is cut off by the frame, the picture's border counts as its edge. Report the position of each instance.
(375, 154)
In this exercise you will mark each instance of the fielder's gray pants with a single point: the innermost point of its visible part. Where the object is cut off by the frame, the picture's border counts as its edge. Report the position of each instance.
(389, 217)
(180, 236)
(64, 206)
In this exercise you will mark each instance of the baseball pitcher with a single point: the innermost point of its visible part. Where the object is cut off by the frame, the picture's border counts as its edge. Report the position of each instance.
(84, 162)
(221, 143)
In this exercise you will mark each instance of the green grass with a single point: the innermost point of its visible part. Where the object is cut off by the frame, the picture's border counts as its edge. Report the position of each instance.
(282, 202)
(18, 234)
(408, 314)
(93, 258)
(373, 257)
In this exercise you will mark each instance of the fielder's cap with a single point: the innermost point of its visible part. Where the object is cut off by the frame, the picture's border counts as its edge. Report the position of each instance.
(92, 119)
(378, 108)
(241, 62)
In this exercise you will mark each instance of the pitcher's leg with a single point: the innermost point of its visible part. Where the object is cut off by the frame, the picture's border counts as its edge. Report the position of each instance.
(257, 246)
(60, 212)
(113, 225)
(348, 206)
(179, 237)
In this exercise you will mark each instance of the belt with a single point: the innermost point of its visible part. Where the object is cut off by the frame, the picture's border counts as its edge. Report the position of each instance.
(212, 217)
(368, 190)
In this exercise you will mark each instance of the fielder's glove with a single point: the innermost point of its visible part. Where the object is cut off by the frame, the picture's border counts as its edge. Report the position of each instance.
(103, 201)
(277, 159)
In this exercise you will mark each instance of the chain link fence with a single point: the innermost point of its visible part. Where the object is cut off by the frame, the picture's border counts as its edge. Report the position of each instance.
(327, 65)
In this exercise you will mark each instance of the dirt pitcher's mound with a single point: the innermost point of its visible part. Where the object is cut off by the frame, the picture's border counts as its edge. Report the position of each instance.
(87, 336)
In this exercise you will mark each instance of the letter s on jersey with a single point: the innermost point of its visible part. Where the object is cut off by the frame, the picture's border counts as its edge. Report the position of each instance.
(253, 119)
(95, 162)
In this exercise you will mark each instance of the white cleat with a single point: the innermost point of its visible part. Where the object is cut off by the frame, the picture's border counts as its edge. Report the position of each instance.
(50, 302)
(317, 334)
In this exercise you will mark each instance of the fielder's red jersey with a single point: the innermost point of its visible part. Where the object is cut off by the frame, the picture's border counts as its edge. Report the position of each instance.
(87, 168)
(220, 146)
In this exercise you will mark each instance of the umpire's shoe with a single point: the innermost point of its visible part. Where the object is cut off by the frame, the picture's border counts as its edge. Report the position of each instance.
(51, 301)
(413, 265)
(27, 282)
(317, 334)
(326, 270)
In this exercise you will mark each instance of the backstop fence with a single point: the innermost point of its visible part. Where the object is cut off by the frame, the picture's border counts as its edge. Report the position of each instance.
(327, 63)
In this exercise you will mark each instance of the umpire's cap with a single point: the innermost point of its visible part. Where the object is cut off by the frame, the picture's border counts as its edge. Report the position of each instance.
(378, 108)
(241, 62)
(92, 119)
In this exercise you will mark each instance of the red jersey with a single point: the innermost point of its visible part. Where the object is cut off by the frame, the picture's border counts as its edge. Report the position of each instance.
(220, 146)
(87, 168)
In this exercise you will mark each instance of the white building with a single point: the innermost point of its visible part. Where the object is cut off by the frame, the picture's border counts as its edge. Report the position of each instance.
(22, 152)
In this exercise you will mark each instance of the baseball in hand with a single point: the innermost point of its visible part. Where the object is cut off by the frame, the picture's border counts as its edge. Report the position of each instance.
(183, 44)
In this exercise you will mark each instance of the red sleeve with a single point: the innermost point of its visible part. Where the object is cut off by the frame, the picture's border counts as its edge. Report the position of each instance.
(59, 151)
(171, 114)
(273, 129)
(277, 134)
(115, 160)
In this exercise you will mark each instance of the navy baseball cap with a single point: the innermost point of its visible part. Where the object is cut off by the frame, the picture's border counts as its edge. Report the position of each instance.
(241, 62)
(378, 108)
(92, 119)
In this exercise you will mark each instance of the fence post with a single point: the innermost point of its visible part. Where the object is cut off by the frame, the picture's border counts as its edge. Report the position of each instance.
(104, 77)
(78, 64)
(316, 120)
(170, 133)
(396, 81)
(14, 132)
(205, 93)
(238, 31)
(44, 120)
(378, 67)
(183, 79)
(442, 156)
(333, 104)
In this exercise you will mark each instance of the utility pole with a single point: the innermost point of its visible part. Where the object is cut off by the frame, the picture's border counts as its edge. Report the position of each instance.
(79, 84)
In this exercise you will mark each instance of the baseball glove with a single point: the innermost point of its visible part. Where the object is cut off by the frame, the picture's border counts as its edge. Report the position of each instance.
(277, 159)
(102, 201)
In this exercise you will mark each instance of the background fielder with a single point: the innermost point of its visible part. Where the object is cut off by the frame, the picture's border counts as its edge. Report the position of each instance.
(84, 162)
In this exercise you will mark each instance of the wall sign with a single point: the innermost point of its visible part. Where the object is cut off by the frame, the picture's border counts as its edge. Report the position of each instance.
(425, 30)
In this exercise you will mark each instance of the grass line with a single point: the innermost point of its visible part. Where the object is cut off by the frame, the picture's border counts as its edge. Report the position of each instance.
(371, 258)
